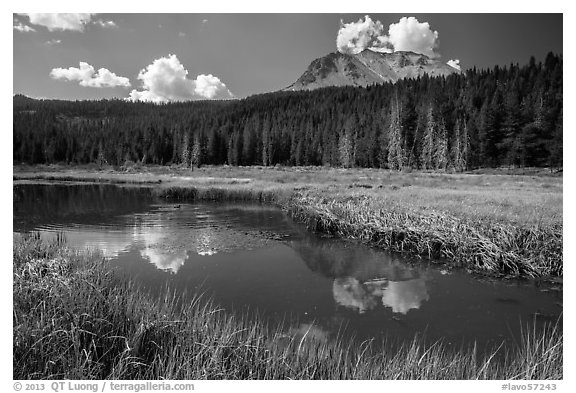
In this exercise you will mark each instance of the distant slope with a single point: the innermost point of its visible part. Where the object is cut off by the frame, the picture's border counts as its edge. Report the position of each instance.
(367, 68)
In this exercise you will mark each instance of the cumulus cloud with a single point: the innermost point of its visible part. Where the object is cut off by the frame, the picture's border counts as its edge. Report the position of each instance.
(62, 22)
(166, 80)
(410, 35)
(407, 35)
(454, 64)
(22, 27)
(354, 37)
(55, 22)
(107, 24)
(88, 77)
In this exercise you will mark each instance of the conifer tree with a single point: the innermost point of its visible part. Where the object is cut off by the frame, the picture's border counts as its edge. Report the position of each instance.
(441, 151)
(196, 154)
(396, 153)
(186, 151)
(428, 147)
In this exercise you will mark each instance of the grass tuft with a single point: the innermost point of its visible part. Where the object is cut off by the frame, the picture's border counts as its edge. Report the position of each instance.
(76, 318)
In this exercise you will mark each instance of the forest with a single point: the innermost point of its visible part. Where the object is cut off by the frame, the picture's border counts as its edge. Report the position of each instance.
(504, 116)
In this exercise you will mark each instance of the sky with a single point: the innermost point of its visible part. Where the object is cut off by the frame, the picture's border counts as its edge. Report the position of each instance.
(171, 57)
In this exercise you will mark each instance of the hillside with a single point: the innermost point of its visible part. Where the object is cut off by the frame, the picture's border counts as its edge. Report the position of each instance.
(367, 68)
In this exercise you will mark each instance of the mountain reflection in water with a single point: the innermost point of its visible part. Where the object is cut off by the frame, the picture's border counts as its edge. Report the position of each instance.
(365, 278)
(254, 257)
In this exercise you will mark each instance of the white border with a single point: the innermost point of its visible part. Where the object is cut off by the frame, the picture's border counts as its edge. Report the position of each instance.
(293, 6)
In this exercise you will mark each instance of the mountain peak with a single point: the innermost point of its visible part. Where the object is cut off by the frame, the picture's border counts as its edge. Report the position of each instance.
(368, 67)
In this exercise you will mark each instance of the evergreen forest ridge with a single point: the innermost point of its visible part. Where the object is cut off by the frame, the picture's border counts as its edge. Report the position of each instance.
(504, 116)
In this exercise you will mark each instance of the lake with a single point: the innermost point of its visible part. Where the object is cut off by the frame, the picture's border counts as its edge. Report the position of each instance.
(255, 258)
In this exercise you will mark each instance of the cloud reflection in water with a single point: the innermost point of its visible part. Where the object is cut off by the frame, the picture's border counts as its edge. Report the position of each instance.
(400, 296)
(155, 250)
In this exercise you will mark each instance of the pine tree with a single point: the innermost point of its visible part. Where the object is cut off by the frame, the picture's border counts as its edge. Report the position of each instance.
(347, 143)
(441, 151)
(457, 148)
(266, 143)
(556, 149)
(396, 153)
(345, 150)
(248, 145)
(460, 146)
(465, 146)
(186, 151)
(101, 160)
(196, 155)
(428, 148)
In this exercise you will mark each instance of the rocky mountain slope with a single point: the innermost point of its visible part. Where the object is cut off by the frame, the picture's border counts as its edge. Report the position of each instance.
(367, 68)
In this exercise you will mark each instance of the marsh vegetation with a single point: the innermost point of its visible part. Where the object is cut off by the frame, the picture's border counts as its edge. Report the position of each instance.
(77, 317)
(74, 317)
(494, 223)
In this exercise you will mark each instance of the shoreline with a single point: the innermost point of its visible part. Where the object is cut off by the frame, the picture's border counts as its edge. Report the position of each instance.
(74, 318)
(345, 203)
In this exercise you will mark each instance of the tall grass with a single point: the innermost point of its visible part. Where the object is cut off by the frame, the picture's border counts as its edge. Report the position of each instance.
(481, 245)
(75, 318)
(494, 224)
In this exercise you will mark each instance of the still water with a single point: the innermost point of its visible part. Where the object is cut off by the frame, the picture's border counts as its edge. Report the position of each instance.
(254, 257)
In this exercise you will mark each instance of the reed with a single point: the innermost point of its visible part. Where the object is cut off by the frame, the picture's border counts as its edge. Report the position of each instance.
(76, 318)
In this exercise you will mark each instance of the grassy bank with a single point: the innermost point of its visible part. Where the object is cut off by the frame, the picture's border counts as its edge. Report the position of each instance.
(496, 223)
(75, 318)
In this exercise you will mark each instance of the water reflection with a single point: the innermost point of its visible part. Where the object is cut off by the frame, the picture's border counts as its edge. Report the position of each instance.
(400, 296)
(153, 240)
(65, 205)
(206, 244)
(109, 244)
(365, 278)
(350, 293)
(403, 296)
(256, 257)
(309, 331)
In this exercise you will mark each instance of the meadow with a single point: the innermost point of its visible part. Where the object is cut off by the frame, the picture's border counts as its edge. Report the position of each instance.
(506, 223)
(74, 317)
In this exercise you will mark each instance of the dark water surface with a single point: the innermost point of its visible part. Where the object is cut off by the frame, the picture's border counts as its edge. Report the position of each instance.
(248, 256)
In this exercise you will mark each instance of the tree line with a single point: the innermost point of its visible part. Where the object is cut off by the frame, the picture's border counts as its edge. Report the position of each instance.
(504, 116)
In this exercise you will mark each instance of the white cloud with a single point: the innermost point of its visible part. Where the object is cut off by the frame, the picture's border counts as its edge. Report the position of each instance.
(54, 22)
(105, 24)
(454, 64)
(88, 77)
(406, 35)
(354, 37)
(22, 27)
(410, 35)
(166, 80)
